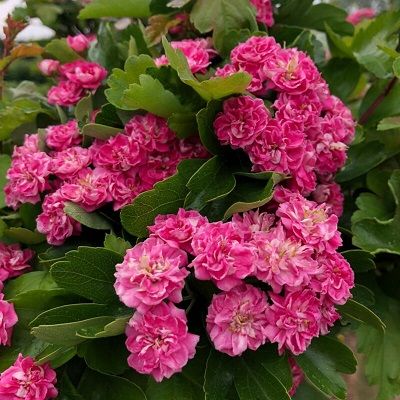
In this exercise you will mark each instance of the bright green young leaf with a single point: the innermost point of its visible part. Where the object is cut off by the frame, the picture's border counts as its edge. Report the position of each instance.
(322, 361)
(389, 123)
(211, 89)
(166, 197)
(59, 49)
(88, 272)
(117, 244)
(5, 162)
(126, 8)
(92, 220)
(101, 132)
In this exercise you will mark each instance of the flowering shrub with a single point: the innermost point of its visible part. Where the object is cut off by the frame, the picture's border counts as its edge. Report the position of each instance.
(193, 199)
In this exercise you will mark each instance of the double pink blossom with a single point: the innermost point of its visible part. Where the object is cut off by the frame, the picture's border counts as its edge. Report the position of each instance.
(66, 93)
(86, 74)
(159, 341)
(28, 381)
(264, 11)
(361, 14)
(331, 195)
(13, 260)
(61, 137)
(251, 222)
(8, 318)
(151, 272)
(297, 376)
(236, 320)
(68, 163)
(80, 42)
(48, 67)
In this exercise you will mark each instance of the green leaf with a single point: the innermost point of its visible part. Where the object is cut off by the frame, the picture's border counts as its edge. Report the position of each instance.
(84, 109)
(166, 198)
(120, 80)
(211, 89)
(174, 388)
(360, 260)
(107, 356)
(389, 123)
(184, 125)
(55, 354)
(127, 8)
(338, 44)
(365, 44)
(25, 236)
(306, 392)
(59, 49)
(66, 390)
(358, 312)
(5, 162)
(396, 67)
(92, 220)
(117, 244)
(212, 181)
(99, 131)
(307, 42)
(321, 363)
(108, 387)
(88, 272)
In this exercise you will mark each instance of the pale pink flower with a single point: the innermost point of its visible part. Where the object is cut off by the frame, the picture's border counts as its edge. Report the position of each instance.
(60, 137)
(222, 255)
(297, 376)
(177, 230)
(67, 163)
(236, 320)
(66, 93)
(335, 277)
(293, 320)
(88, 75)
(28, 381)
(329, 315)
(159, 341)
(8, 318)
(151, 272)
(241, 122)
(198, 53)
(54, 223)
(48, 67)
(331, 195)
(283, 261)
(264, 11)
(311, 223)
(80, 42)
(251, 222)
(360, 15)
(13, 260)
(27, 179)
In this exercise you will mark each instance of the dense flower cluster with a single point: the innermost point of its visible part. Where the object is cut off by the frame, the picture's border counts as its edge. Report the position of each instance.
(115, 170)
(264, 11)
(307, 130)
(293, 251)
(26, 380)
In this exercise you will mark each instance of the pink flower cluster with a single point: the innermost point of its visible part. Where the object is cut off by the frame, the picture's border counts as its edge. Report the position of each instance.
(264, 11)
(360, 15)
(26, 380)
(198, 53)
(305, 133)
(76, 79)
(115, 170)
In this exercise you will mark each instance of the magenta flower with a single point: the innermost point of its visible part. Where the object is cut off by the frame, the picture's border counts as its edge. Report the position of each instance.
(159, 341)
(8, 318)
(124, 187)
(85, 74)
(329, 315)
(13, 260)
(236, 320)
(68, 163)
(264, 11)
(151, 272)
(80, 42)
(61, 137)
(25, 380)
(66, 93)
(48, 67)
(359, 15)
(331, 195)
(293, 320)
(297, 376)
(251, 222)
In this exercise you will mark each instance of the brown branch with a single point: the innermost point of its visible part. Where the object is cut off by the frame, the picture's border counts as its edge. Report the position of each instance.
(372, 108)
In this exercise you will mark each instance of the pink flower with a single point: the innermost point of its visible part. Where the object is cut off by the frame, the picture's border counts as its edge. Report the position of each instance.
(66, 93)
(241, 122)
(297, 376)
(329, 315)
(124, 187)
(283, 260)
(119, 153)
(67, 163)
(85, 74)
(198, 53)
(13, 260)
(192, 148)
(359, 15)
(335, 277)
(311, 223)
(8, 318)
(222, 255)
(150, 132)
(331, 195)
(48, 67)
(226, 70)
(251, 222)
(30, 146)
(251, 57)
(291, 71)
(27, 178)
(279, 148)
(159, 341)
(80, 42)
(25, 380)
(293, 320)
(236, 320)
(88, 188)
(151, 272)
(54, 223)
(264, 11)
(60, 137)
(178, 230)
